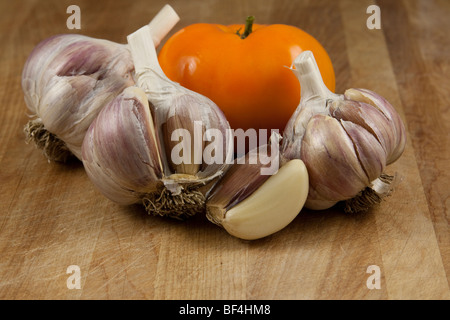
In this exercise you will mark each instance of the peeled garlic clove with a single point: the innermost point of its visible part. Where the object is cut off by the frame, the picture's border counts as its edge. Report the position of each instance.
(120, 150)
(240, 181)
(269, 204)
(67, 79)
(346, 141)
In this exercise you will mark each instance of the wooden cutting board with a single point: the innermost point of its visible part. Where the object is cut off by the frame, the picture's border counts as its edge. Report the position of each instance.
(52, 217)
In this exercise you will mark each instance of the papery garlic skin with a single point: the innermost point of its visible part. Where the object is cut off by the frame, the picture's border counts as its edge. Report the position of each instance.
(346, 141)
(394, 140)
(68, 78)
(120, 151)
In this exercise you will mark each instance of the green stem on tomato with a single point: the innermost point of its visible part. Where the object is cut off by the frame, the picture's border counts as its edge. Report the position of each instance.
(248, 27)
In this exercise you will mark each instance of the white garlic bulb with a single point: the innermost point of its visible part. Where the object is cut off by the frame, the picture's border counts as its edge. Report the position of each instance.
(346, 141)
(68, 78)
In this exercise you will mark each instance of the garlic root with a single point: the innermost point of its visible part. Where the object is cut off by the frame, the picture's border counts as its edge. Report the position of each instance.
(52, 147)
(187, 203)
(372, 195)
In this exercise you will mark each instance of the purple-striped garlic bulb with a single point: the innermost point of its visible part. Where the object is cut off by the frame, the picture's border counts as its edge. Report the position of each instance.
(157, 143)
(345, 140)
(69, 78)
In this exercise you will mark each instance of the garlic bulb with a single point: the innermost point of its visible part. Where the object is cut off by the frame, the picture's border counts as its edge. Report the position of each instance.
(160, 153)
(68, 78)
(345, 140)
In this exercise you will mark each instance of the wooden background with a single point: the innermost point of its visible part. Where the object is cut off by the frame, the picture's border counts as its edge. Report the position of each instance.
(52, 217)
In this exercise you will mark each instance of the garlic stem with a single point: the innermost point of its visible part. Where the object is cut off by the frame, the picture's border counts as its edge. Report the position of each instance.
(314, 101)
(162, 23)
(149, 74)
(151, 78)
(308, 73)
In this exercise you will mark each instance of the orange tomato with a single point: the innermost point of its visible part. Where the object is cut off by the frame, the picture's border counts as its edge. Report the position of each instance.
(249, 79)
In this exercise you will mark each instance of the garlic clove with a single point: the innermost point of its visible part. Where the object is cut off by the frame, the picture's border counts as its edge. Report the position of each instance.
(183, 149)
(333, 165)
(120, 150)
(79, 100)
(369, 130)
(186, 130)
(368, 117)
(369, 151)
(397, 132)
(239, 182)
(269, 205)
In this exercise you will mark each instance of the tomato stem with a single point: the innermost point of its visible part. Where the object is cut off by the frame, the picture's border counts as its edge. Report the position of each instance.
(248, 26)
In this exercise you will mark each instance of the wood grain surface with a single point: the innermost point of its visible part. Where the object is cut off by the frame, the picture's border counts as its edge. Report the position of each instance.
(51, 216)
